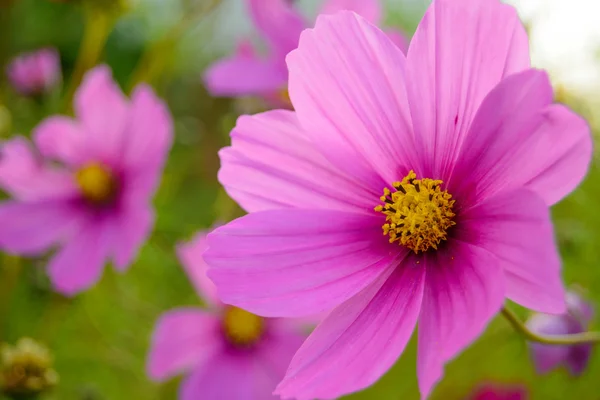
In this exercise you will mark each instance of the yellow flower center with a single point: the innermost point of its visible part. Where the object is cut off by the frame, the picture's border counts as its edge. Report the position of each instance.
(241, 327)
(97, 184)
(26, 369)
(284, 97)
(418, 213)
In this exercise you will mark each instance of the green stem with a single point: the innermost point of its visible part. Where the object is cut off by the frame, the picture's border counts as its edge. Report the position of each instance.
(11, 265)
(96, 30)
(156, 56)
(576, 338)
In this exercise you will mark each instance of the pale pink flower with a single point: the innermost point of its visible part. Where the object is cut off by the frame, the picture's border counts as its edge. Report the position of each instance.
(36, 72)
(248, 73)
(464, 142)
(226, 352)
(575, 320)
(499, 392)
(87, 183)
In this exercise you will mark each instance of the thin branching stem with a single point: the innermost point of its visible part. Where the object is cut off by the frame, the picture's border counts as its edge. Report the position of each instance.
(575, 338)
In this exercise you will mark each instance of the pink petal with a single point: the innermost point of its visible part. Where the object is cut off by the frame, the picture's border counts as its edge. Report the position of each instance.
(272, 164)
(273, 357)
(293, 263)
(516, 227)
(61, 138)
(463, 291)
(545, 357)
(368, 9)
(183, 339)
(347, 85)
(279, 23)
(131, 228)
(149, 133)
(190, 256)
(32, 228)
(518, 139)
(25, 177)
(460, 51)
(399, 38)
(225, 376)
(579, 358)
(245, 75)
(360, 340)
(102, 109)
(80, 262)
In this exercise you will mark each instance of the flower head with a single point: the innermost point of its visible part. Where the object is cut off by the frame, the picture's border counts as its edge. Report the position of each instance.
(26, 369)
(499, 392)
(280, 24)
(575, 320)
(87, 184)
(227, 352)
(36, 72)
(401, 189)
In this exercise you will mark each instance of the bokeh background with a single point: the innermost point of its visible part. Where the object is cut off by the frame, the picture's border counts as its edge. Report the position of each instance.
(99, 339)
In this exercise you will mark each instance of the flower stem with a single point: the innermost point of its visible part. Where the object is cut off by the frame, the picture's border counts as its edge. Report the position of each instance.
(96, 31)
(154, 60)
(575, 338)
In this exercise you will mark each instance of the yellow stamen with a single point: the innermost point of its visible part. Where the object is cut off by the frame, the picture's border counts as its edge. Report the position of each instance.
(97, 184)
(418, 213)
(26, 369)
(284, 97)
(241, 327)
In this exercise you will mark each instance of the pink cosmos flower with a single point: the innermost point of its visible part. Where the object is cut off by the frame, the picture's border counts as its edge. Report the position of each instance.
(575, 320)
(247, 73)
(35, 72)
(497, 392)
(228, 353)
(87, 185)
(401, 189)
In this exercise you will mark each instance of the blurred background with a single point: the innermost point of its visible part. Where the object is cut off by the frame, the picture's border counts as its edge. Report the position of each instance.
(99, 339)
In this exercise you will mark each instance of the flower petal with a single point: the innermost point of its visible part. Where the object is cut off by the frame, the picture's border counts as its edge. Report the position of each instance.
(294, 263)
(25, 177)
(460, 51)
(516, 227)
(183, 339)
(131, 228)
(149, 133)
(579, 358)
(242, 75)
(32, 228)
(368, 9)
(347, 85)
(360, 340)
(464, 289)
(399, 38)
(61, 138)
(271, 164)
(80, 262)
(228, 375)
(274, 355)
(102, 109)
(279, 23)
(190, 255)
(548, 357)
(519, 139)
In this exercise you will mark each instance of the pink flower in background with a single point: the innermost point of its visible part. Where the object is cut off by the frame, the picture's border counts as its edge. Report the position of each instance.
(402, 189)
(36, 72)
(228, 353)
(87, 185)
(499, 392)
(247, 73)
(575, 320)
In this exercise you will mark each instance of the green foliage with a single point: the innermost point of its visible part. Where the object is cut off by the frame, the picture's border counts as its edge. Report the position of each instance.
(100, 338)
